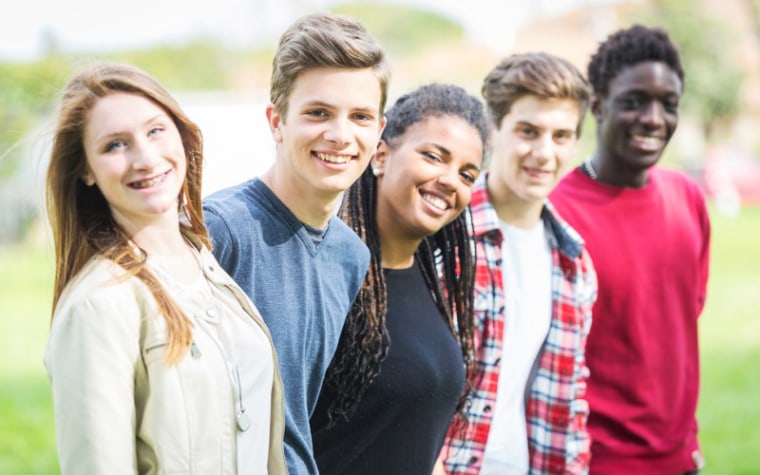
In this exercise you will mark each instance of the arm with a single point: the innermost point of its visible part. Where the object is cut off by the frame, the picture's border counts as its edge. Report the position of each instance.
(578, 436)
(704, 256)
(438, 467)
(90, 358)
(222, 238)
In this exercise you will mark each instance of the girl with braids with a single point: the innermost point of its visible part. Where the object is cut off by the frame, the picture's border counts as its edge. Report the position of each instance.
(158, 361)
(398, 377)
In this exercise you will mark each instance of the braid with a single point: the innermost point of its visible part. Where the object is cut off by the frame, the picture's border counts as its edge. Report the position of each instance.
(448, 258)
(364, 340)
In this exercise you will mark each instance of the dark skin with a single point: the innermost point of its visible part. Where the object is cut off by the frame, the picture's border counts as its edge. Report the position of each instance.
(635, 121)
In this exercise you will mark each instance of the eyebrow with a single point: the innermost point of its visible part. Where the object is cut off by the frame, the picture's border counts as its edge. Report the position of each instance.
(107, 137)
(318, 103)
(535, 126)
(447, 152)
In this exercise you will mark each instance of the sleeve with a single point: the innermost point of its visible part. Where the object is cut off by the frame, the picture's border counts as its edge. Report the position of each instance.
(579, 441)
(91, 355)
(704, 256)
(222, 239)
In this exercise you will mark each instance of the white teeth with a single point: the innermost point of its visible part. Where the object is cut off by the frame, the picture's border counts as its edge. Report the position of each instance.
(333, 158)
(647, 140)
(147, 183)
(435, 201)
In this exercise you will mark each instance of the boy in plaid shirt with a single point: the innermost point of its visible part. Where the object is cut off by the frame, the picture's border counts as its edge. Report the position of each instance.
(535, 283)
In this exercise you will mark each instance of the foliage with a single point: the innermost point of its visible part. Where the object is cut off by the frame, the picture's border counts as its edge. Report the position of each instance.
(707, 54)
(198, 65)
(26, 92)
(403, 30)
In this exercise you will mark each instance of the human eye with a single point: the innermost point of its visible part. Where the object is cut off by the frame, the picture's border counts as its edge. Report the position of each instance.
(527, 131)
(469, 177)
(115, 145)
(631, 102)
(156, 130)
(316, 113)
(670, 105)
(363, 117)
(432, 156)
(564, 136)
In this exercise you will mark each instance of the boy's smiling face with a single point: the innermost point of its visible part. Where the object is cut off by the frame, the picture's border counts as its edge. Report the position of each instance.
(331, 129)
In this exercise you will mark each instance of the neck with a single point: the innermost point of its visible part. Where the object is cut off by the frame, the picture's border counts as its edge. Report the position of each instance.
(397, 251)
(396, 257)
(511, 209)
(606, 169)
(308, 205)
(159, 241)
(167, 247)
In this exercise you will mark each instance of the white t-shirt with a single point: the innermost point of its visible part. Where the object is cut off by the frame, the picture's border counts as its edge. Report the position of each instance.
(526, 270)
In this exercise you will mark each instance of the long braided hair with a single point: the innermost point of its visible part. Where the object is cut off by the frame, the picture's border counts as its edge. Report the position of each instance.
(447, 260)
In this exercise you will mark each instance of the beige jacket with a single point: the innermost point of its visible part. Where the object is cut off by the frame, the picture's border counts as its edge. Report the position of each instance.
(119, 408)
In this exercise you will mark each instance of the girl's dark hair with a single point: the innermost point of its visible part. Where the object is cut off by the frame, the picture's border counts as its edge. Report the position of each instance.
(447, 260)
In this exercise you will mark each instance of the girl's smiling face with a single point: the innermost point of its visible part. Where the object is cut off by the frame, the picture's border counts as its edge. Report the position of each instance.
(426, 176)
(136, 158)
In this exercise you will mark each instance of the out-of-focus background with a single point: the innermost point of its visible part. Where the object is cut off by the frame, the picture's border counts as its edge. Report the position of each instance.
(215, 57)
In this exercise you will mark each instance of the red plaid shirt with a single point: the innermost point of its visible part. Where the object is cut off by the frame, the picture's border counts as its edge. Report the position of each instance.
(556, 411)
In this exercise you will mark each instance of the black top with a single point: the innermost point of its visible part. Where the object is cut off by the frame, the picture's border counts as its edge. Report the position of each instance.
(399, 425)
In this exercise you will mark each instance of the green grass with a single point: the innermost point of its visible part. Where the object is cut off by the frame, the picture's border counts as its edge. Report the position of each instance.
(729, 330)
(27, 440)
(730, 347)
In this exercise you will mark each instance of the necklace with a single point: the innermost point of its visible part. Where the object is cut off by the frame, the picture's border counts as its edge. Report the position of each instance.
(590, 169)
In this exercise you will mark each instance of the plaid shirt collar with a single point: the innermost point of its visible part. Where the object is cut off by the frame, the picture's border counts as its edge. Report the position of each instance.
(486, 222)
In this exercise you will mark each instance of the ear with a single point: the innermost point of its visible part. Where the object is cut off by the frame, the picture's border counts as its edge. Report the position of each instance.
(380, 158)
(87, 177)
(597, 106)
(275, 123)
(383, 122)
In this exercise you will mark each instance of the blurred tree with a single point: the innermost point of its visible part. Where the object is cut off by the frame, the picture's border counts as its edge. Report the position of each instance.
(754, 7)
(709, 58)
(26, 91)
(199, 65)
(404, 30)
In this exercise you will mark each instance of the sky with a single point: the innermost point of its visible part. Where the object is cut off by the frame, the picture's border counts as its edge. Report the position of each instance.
(103, 25)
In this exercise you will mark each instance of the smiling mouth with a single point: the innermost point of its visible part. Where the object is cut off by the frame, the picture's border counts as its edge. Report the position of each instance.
(330, 158)
(435, 201)
(648, 141)
(139, 185)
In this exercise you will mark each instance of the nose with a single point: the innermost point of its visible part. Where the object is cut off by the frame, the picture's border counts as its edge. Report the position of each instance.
(653, 114)
(543, 148)
(448, 180)
(337, 131)
(145, 154)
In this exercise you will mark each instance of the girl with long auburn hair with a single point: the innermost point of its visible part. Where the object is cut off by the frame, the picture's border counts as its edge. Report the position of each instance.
(158, 362)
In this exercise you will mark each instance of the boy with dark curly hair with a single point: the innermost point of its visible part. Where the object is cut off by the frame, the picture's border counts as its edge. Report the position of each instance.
(648, 233)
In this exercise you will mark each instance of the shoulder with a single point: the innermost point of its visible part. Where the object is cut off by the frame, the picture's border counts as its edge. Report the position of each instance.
(670, 177)
(101, 300)
(342, 236)
(229, 202)
(574, 187)
(676, 186)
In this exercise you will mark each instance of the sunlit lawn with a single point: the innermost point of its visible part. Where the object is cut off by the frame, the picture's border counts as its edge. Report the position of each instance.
(730, 338)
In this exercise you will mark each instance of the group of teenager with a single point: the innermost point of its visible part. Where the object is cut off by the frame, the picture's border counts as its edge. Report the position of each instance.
(404, 291)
